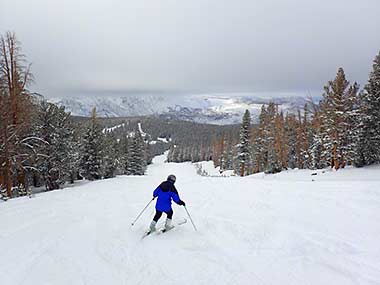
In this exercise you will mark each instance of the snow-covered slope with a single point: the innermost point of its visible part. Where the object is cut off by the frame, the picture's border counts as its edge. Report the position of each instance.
(261, 229)
(198, 108)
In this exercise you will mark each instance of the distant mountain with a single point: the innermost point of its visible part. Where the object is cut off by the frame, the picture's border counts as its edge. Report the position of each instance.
(211, 109)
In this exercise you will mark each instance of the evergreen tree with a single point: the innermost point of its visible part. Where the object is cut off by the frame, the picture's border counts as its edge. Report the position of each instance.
(316, 145)
(306, 137)
(56, 155)
(222, 159)
(244, 146)
(368, 144)
(273, 163)
(291, 140)
(336, 120)
(123, 154)
(137, 157)
(74, 159)
(111, 161)
(92, 150)
(259, 143)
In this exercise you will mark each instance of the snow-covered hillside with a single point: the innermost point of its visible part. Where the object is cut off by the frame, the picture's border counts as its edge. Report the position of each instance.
(290, 228)
(216, 109)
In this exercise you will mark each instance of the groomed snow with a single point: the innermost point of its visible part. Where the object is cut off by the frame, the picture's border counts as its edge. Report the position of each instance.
(281, 229)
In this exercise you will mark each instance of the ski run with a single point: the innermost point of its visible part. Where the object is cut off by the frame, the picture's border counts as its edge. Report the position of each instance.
(288, 228)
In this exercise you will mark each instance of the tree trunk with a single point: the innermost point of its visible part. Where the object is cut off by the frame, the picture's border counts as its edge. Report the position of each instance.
(242, 170)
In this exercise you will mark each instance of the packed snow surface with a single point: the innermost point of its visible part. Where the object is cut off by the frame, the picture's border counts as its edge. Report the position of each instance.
(290, 228)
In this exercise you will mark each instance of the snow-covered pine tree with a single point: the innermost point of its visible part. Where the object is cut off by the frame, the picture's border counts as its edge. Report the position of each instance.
(259, 143)
(244, 146)
(92, 150)
(75, 151)
(316, 145)
(306, 136)
(222, 155)
(279, 139)
(352, 117)
(216, 151)
(123, 154)
(274, 163)
(110, 156)
(335, 121)
(148, 153)
(137, 157)
(74, 155)
(229, 155)
(368, 143)
(171, 153)
(291, 140)
(55, 156)
(195, 157)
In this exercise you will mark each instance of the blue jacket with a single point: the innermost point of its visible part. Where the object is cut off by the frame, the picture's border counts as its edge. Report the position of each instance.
(165, 193)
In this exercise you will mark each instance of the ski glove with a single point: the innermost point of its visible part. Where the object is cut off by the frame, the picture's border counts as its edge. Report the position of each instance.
(182, 203)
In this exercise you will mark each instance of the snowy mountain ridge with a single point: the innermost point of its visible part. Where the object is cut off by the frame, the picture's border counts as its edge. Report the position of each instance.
(215, 109)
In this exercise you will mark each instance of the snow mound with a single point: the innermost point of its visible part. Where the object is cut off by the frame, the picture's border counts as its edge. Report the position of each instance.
(206, 168)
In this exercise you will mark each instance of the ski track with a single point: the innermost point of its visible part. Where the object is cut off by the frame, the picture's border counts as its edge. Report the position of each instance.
(252, 230)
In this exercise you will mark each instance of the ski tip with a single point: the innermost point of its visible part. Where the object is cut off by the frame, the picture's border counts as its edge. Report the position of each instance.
(146, 234)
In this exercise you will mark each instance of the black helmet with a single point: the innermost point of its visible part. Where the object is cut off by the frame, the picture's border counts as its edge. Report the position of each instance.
(171, 178)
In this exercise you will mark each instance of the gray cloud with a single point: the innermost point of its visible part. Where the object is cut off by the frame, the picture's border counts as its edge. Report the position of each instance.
(193, 46)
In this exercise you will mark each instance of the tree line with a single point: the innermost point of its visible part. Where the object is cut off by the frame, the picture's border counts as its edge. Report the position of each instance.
(342, 129)
(42, 146)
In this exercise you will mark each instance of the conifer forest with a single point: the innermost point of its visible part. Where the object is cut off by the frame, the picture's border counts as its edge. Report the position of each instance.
(43, 146)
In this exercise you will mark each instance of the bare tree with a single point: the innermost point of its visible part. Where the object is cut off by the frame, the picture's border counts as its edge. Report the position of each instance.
(15, 103)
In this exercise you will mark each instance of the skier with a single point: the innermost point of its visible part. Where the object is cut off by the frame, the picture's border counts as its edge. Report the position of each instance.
(165, 192)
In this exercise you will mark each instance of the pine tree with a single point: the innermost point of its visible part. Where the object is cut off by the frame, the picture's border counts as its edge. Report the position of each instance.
(274, 163)
(123, 154)
(111, 161)
(306, 137)
(244, 146)
(92, 150)
(74, 159)
(259, 142)
(54, 128)
(368, 143)
(291, 140)
(222, 155)
(137, 157)
(336, 120)
(316, 145)
(352, 117)
(279, 140)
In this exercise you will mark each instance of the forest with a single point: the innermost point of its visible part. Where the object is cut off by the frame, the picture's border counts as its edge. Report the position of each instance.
(342, 129)
(43, 146)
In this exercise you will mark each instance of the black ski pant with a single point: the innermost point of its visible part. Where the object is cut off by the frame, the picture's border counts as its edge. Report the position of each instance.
(158, 215)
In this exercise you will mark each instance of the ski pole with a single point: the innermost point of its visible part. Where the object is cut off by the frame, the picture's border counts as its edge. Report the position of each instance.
(143, 211)
(190, 218)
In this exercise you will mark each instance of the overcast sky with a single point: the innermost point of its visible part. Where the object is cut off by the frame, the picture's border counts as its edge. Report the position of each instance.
(197, 46)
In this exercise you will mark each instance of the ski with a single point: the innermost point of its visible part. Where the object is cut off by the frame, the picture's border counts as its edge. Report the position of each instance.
(163, 229)
(177, 223)
(146, 234)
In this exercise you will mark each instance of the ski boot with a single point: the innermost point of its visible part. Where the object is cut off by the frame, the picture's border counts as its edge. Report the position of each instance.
(152, 227)
(168, 225)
